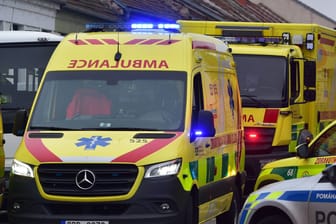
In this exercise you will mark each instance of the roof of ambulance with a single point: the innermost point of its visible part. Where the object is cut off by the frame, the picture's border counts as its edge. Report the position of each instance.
(28, 36)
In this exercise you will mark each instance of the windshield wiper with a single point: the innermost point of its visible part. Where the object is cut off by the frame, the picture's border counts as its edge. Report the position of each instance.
(253, 98)
(50, 128)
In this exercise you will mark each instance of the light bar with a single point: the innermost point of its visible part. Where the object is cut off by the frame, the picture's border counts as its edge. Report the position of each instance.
(169, 26)
(132, 26)
(142, 26)
(252, 40)
(110, 26)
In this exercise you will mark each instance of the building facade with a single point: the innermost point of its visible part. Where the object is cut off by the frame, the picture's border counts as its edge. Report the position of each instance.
(65, 16)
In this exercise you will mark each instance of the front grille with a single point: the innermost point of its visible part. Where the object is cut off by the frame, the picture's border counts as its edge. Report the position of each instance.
(110, 179)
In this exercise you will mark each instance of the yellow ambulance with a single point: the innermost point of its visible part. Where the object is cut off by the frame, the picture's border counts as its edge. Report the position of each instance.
(287, 79)
(2, 162)
(131, 127)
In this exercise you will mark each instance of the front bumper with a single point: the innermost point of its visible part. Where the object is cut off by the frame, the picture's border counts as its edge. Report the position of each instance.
(157, 200)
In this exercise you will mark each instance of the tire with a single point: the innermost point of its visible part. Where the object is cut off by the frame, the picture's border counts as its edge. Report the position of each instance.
(231, 216)
(191, 214)
(274, 219)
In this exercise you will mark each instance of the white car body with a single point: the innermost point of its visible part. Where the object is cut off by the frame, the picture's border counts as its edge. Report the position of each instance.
(306, 200)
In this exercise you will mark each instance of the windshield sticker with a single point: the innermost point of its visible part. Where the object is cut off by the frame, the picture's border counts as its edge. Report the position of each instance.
(325, 160)
(93, 142)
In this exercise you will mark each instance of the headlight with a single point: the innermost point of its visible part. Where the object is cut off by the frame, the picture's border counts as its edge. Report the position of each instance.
(164, 169)
(22, 169)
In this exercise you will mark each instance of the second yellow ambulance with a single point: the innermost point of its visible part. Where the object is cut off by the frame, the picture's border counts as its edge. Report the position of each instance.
(287, 79)
(131, 127)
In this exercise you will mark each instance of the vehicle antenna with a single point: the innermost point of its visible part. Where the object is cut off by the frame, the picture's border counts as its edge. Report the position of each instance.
(76, 38)
(117, 55)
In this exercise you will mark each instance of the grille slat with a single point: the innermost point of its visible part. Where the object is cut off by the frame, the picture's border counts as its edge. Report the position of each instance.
(110, 179)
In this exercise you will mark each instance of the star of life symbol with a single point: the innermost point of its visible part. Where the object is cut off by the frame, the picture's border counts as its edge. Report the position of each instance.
(93, 142)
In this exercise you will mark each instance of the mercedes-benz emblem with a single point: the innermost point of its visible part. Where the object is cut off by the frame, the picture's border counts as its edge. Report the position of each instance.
(85, 179)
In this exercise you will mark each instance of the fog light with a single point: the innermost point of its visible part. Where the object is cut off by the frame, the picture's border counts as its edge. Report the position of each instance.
(165, 207)
(16, 206)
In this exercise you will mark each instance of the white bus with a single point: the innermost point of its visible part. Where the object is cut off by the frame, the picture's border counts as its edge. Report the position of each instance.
(23, 58)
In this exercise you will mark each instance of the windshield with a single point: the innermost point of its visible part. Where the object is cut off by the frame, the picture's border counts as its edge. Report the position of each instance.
(262, 80)
(326, 144)
(111, 100)
(21, 68)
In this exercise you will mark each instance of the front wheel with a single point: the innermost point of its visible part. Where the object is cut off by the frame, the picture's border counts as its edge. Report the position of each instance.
(231, 216)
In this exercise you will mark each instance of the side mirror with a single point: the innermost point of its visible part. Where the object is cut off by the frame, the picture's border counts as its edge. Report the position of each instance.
(20, 122)
(330, 174)
(305, 136)
(204, 126)
(304, 139)
(302, 151)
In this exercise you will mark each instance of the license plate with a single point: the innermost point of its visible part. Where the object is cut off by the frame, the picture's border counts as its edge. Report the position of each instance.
(84, 222)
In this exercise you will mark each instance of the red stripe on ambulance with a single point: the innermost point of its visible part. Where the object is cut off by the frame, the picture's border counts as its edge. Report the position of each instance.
(131, 42)
(39, 150)
(203, 45)
(151, 41)
(146, 150)
(271, 116)
(110, 41)
(78, 42)
(94, 41)
(326, 41)
(168, 42)
(135, 41)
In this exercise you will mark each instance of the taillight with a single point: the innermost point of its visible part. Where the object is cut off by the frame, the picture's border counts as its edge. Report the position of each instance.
(258, 140)
(252, 136)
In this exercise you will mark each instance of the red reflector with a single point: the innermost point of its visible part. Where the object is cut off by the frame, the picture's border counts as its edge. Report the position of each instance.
(271, 115)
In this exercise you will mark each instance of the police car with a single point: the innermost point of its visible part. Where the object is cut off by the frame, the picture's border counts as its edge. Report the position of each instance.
(305, 200)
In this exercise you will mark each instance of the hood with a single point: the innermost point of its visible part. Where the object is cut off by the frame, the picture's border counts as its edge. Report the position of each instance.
(94, 146)
(292, 161)
(300, 184)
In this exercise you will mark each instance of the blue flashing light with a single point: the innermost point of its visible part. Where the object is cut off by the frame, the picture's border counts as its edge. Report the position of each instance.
(134, 26)
(142, 26)
(169, 26)
(164, 26)
(198, 133)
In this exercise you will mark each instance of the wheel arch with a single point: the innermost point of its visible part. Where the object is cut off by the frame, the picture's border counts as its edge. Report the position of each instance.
(270, 211)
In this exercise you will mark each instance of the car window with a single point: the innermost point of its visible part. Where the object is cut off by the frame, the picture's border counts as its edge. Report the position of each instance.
(326, 144)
